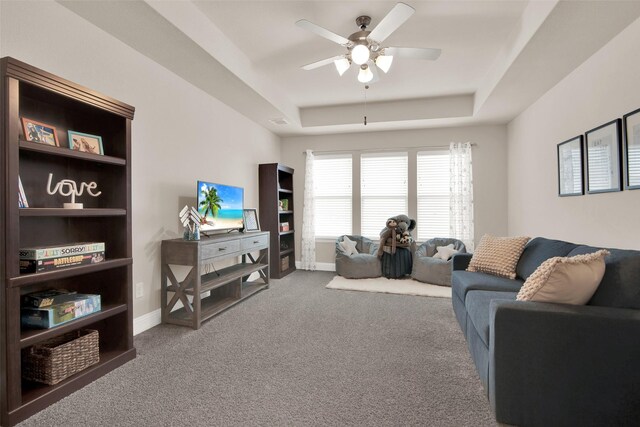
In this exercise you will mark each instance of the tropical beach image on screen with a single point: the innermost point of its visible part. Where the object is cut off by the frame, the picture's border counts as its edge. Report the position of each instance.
(220, 206)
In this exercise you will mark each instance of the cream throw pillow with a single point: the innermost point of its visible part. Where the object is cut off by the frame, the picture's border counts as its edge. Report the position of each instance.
(445, 252)
(498, 255)
(564, 280)
(348, 246)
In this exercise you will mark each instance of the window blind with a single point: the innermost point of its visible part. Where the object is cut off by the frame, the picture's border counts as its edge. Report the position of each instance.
(384, 192)
(433, 194)
(332, 195)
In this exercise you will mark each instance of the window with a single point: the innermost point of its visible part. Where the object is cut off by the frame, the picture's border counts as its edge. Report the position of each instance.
(332, 195)
(384, 193)
(433, 194)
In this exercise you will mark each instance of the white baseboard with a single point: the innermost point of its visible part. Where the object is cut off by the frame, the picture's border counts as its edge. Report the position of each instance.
(146, 321)
(320, 266)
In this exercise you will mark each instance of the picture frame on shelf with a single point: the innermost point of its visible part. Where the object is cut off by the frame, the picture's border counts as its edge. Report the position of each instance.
(632, 149)
(603, 146)
(250, 219)
(570, 167)
(85, 142)
(39, 132)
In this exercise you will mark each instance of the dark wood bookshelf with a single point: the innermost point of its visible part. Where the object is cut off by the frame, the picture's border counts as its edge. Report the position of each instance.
(276, 183)
(29, 92)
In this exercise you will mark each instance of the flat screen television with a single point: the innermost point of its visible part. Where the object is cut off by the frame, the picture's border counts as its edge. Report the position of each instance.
(221, 206)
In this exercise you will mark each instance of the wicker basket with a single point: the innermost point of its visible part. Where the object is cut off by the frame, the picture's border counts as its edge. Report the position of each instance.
(58, 358)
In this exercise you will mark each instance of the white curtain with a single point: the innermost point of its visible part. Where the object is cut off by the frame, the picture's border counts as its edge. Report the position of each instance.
(461, 193)
(308, 252)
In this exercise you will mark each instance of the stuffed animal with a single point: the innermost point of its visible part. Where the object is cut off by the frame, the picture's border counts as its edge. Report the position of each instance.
(397, 232)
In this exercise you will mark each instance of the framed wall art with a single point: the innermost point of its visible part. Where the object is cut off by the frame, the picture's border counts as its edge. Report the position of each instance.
(251, 220)
(632, 149)
(570, 161)
(41, 133)
(603, 158)
(85, 142)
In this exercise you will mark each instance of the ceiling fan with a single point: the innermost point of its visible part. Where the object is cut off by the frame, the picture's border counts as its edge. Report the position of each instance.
(364, 47)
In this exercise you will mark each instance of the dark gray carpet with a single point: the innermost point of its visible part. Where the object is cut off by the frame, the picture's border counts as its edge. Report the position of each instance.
(295, 354)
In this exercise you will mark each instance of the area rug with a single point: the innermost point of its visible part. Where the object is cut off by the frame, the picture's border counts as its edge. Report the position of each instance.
(390, 286)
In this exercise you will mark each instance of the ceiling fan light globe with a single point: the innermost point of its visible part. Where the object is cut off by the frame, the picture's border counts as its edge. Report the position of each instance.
(384, 62)
(365, 75)
(342, 65)
(360, 54)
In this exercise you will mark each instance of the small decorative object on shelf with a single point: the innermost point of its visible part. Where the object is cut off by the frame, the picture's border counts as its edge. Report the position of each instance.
(22, 197)
(58, 358)
(84, 142)
(72, 190)
(284, 203)
(48, 258)
(251, 220)
(284, 226)
(55, 308)
(191, 220)
(39, 132)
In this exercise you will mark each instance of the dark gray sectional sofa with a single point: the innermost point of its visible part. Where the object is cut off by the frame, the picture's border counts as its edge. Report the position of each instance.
(545, 364)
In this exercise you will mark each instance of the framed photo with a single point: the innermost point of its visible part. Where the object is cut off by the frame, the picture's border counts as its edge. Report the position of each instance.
(603, 158)
(632, 149)
(250, 217)
(39, 132)
(570, 161)
(86, 143)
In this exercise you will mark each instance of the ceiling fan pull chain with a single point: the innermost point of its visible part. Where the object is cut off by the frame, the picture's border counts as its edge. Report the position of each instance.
(365, 104)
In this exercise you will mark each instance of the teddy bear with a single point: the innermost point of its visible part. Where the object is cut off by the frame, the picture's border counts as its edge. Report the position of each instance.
(397, 232)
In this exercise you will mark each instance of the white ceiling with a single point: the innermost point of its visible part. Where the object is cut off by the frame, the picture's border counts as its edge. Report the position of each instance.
(497, 56)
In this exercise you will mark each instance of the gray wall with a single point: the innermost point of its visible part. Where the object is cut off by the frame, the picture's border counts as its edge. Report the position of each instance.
(179, 134)
(489, 168)
(603, 88)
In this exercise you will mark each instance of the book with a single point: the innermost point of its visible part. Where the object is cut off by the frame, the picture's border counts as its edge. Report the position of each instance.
(67, 307)
(50, 264)
(45, 298)
(48, 258)
(45, 252)
(22, 197)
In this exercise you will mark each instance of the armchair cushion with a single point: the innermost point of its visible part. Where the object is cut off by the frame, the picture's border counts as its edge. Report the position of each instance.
(430, 269)
(364, 264)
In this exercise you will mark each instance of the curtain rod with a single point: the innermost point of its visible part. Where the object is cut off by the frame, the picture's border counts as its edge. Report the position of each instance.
(373, 150)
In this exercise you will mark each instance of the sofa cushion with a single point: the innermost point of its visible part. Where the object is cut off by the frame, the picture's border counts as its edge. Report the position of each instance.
(539, 250)
(620, 285)
(465, 281)
(498, 255)
(565, 280)
(477, 305)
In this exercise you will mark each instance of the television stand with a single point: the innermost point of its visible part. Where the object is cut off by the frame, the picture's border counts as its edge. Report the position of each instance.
(186, 302)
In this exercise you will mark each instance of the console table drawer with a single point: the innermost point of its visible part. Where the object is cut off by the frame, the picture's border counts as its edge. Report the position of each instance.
(220, 249)
(255, 242)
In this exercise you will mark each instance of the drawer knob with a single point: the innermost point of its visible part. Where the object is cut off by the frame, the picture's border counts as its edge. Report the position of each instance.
(256, 241)
(222, 249)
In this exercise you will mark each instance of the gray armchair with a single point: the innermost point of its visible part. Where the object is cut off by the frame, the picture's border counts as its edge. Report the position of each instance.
(362, 265)
(434, 270)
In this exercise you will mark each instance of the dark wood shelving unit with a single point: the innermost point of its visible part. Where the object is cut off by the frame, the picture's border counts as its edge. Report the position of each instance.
(276, 183)
(29, 92)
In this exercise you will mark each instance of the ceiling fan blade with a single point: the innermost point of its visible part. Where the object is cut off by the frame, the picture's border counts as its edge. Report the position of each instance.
(413, 52)
(322, 32)
(321, 63)
(394, 19)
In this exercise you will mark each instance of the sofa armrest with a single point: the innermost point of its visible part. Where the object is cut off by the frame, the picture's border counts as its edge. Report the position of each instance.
(556, 364)
(461, 261)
